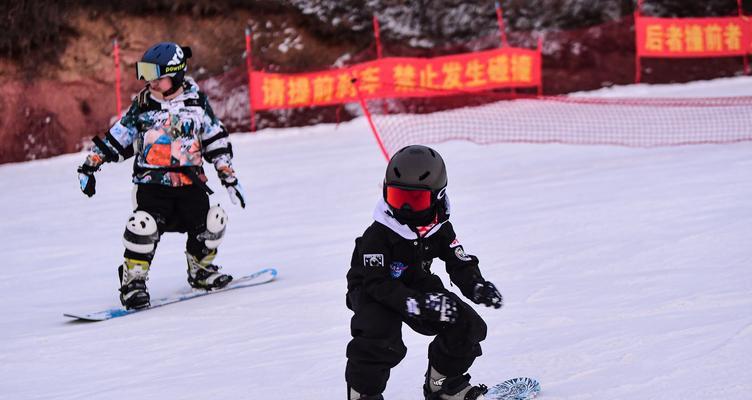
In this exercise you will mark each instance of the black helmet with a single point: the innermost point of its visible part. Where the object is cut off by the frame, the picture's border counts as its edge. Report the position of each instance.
(164, 59)
(414, 185)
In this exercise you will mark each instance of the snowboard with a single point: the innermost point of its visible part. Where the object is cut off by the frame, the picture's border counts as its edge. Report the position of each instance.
(257, 278)
(514, 389)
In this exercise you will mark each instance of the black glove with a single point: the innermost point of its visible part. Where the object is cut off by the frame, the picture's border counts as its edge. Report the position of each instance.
(433, 307)
(486, 293)
(87, 180)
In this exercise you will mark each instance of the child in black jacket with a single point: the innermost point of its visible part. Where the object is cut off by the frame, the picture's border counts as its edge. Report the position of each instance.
(390, 282)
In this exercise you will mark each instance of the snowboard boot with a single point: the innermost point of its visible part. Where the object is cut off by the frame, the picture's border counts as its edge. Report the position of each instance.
(441, 387)
(352, 394)
(133, 276)
(202, 274)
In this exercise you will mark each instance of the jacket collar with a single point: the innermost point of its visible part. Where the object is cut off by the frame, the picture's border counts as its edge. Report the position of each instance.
(190, 91)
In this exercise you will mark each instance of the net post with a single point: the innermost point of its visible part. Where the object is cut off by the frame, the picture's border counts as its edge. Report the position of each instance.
(638, 61)
(377, 36)
(500, 22)
(116, 55)
(744, 57)
(369, 118)
(249, 68)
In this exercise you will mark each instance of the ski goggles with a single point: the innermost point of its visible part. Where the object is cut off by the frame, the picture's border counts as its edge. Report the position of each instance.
(417, 199)
(150, 71)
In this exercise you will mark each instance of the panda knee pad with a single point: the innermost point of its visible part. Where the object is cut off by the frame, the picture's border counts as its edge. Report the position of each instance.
(216, 222)
(141, 233)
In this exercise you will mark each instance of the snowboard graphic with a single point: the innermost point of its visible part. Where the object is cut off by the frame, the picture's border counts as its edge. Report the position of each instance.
(514, 389)
(257, 278)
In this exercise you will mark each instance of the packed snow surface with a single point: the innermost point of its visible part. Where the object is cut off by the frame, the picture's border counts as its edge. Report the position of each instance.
(626, 272)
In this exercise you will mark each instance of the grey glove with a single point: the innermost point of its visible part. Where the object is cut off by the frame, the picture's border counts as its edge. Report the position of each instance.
(237, 194)
(230, 181)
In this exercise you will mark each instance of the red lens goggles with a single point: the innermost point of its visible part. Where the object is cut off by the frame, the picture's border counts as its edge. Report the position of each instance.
(417, 199)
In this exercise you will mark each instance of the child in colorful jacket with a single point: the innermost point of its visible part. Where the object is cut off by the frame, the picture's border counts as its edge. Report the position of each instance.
(170, 129)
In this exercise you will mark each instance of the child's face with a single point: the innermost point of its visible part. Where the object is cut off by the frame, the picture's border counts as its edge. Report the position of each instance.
(161, 85)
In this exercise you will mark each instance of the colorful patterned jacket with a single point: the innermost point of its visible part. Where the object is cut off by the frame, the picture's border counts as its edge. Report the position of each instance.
(168, 138)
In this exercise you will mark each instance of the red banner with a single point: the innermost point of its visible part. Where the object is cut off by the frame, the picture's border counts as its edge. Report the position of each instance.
(400, 77)
(693, 37)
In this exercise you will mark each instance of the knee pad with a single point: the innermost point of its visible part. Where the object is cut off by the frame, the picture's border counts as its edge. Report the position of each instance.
(216, 222)
(141, 233)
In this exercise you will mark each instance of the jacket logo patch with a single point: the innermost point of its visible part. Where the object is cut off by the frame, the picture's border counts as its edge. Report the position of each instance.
(373, 260)
(460, 253)
(397, 269)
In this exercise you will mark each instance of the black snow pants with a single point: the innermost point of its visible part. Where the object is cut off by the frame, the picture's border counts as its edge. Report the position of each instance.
(176, 209)
(377, 345)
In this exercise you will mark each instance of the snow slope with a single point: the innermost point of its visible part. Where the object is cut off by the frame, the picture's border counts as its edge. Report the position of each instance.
(626, 272)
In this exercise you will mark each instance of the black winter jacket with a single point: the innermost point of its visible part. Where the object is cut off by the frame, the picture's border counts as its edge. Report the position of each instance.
(391, 263)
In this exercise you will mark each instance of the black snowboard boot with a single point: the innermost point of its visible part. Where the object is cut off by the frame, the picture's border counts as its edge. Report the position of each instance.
(441, 387)
(202, 274)
(352, 394)
(133, 276)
